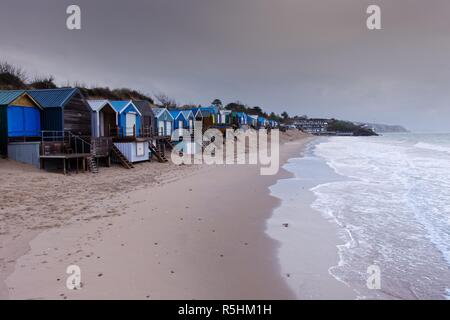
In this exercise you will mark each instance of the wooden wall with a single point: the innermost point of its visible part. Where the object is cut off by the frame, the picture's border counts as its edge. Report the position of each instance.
(77, 116)
(23, 101)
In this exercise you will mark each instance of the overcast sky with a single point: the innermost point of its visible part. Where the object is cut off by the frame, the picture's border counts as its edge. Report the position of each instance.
(313, 57)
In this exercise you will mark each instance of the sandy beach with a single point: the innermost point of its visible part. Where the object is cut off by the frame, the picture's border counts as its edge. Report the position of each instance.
(159, 231)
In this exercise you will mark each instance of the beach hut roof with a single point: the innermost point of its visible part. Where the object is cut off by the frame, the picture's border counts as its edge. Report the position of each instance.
(184, 113)
(159, 111)
(8, 96)
(53, 98)
(121, 105)
(97, 105)
(175, 114)
(144, 107)
(187, 114)
(210, 109)
(253, 116)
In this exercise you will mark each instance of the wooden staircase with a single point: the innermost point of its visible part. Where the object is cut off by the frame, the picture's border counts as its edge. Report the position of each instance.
(92, 164)
(169, 143)
(121, 158)
(158, 154)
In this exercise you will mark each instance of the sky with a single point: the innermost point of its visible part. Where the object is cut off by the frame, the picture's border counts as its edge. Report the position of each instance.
(306, 57)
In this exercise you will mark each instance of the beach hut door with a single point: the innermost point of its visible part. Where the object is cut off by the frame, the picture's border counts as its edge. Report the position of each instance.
(161, 128)
(131, 123)
(168, 128)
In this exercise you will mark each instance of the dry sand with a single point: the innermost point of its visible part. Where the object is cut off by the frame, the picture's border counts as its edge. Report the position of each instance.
(158, 231)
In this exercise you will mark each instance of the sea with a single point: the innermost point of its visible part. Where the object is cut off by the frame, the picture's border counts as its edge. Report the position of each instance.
(389, 200)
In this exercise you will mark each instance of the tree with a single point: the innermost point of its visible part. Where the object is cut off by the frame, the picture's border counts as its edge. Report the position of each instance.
(47, 82)
(165, 100)
(257, 110)
(285, 115)
(12, 77)
(217, 103)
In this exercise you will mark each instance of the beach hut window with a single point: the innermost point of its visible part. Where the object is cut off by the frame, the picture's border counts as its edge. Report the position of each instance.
(161, 128)
(180, 124)
(140, 150)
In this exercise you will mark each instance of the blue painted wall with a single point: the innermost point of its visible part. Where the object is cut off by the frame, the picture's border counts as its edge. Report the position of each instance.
(123, 117)
(24, 121)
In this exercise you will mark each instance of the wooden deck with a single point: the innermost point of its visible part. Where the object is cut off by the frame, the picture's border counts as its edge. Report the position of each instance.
(65, 157)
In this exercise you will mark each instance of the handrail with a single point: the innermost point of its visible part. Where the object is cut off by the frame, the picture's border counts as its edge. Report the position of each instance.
(72, 139)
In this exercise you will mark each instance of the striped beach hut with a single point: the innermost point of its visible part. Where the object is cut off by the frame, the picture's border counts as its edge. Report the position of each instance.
(129, 118)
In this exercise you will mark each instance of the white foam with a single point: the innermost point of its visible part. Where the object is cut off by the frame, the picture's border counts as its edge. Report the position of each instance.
(395, 211)
(430, 146)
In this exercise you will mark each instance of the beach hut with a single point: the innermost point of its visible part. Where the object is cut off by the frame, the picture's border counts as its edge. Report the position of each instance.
(205, 116)
(20, 126)
(183, 119)
(252, 120)
(104, 118)
(189, 115)
(164, 122)
(128, 120)
(262, 122)
(64, 110)
(224, 117)
(238, 118)
(213, 112)
(148, 119)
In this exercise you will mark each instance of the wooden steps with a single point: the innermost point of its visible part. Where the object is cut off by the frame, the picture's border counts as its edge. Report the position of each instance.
(158, 154)
(169, 143)
(121, 158)
(92, 164)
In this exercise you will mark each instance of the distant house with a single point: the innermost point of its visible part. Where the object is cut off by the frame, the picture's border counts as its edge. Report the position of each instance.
(104, 118)
(148, 119)
(313, 125)
(164, 122)
(20, 126)
(64, 110)
(129, 118)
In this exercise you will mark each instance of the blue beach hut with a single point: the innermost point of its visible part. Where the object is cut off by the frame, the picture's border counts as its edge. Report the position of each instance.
(20, 126)
(129, 118)
(164, 122)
